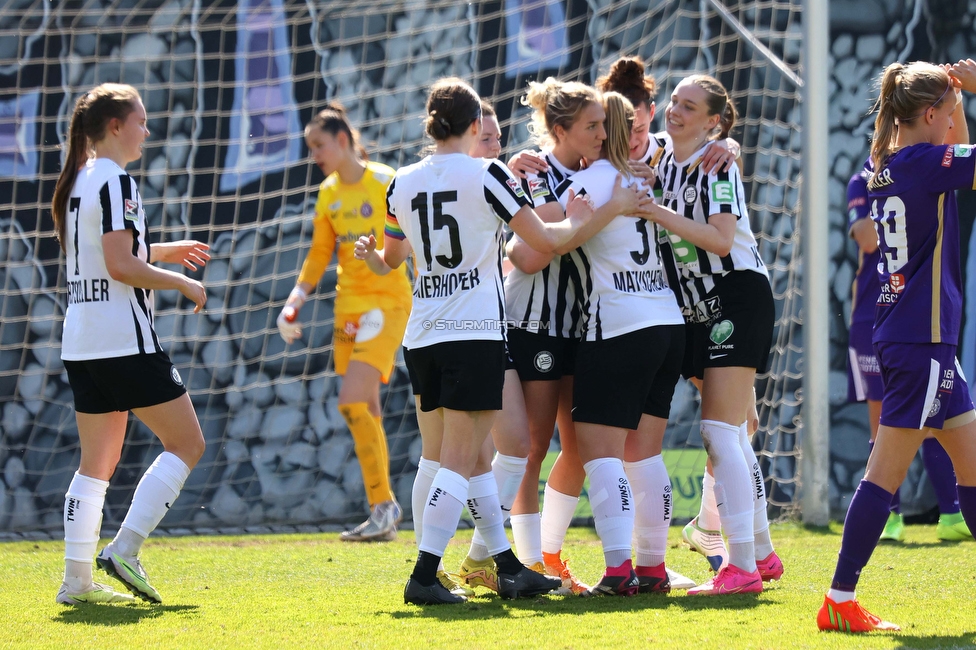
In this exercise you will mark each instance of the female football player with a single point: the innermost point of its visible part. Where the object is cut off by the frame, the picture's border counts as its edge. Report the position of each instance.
(450, 207)
(918, 315)
(110, 350)
(722, 287)
(370, 312)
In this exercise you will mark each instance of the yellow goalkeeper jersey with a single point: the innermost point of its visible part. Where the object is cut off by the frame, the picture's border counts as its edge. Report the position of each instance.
(343, 213)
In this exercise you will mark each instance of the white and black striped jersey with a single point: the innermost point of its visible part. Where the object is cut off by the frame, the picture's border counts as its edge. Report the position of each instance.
(548, 297)
(690, 192)
(451, 208)
(624, 289)
(105, 318)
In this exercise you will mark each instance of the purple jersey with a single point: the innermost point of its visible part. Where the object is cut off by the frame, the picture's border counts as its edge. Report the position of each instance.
(914, 207)
(867, 286)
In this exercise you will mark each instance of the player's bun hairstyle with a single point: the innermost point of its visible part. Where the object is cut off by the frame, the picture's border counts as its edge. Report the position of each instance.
(452, 106)
(92, 113)
(556, 103)
(627, 77)
(333, 120)
(906, 92)
(717, 101)
(619, 121)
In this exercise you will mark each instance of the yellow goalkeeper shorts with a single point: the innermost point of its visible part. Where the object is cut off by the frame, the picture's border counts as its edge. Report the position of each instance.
(371, 337)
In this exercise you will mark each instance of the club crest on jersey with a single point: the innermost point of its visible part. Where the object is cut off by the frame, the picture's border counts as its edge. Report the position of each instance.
(897, 282)
(721, 332)
(175, 376)
(691, 194)
(366, 209)
(543, 361)
(516, 187)
(131, 210)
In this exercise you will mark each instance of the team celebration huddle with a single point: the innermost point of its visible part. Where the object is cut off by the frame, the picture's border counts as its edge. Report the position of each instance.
(571, 288)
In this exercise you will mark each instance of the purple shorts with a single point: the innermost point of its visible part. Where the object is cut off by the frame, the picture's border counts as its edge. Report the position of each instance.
(863, 371)
(923, 386)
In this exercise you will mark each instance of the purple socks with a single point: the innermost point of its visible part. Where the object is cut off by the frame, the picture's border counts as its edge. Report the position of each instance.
(865, 521)
(895, 506)
(967, 504)
(939, 469)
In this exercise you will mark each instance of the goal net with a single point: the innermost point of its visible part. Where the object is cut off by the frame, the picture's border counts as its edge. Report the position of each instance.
(228, 88)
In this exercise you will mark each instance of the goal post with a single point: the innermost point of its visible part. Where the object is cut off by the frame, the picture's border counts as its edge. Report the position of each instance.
(228, 88)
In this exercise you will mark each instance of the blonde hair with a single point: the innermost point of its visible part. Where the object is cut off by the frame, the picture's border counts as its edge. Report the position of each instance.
(905, 93)
(556, 103)
(92, 113)
(619, 121)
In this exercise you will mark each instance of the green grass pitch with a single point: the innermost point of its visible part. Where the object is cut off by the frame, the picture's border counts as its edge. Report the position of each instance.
(313, 591)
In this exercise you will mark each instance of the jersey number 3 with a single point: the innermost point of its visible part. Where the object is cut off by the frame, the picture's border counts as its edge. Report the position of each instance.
(889, 213)
(441, 220)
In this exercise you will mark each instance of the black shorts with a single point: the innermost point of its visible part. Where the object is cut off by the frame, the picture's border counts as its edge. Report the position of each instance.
(658, 402)
(123, 383)
(621, 378)
(740, 330)
(459, 375)
(537, 356)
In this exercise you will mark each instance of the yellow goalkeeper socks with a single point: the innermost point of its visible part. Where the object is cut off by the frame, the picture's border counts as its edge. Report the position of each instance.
(370, 442)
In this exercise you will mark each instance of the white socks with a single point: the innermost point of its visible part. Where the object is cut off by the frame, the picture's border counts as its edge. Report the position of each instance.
(487, 513)
(708, 517)
(442, 512)
(82, 521)
(508, 472)
(733, 491)
(527, 532)
(760, 521)
(651, 487)
(156, 492)
(557, 515)
(613, 508)
(426, 470)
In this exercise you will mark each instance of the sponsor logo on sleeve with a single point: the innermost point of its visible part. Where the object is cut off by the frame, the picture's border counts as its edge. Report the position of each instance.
(516, 187)
(538, 187)
(131, 210)
(334, 207)
(722, 192)
(962, 150)
(947, 158)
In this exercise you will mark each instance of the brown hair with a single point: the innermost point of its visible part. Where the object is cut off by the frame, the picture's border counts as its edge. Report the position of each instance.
(717, 102)
(905, 93)
(452, 106)
(487, 110)
(627, 77)
(92, 113)
(619, 121)
(333, 120)
(556, 103)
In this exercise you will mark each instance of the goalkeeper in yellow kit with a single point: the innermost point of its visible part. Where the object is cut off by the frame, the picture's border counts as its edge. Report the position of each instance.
(370, 311)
